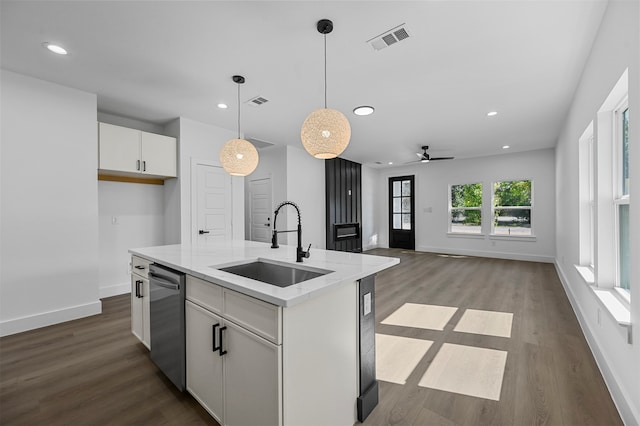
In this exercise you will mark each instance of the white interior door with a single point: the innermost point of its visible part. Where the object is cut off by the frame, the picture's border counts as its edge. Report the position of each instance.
(211, 216)
(260, 204)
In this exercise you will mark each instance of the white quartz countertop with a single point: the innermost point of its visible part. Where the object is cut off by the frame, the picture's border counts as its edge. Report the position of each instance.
(204, 260)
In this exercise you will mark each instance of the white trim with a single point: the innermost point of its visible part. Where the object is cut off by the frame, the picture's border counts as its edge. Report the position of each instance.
(530, 238)
(618, 394)
(30, 322)
(465, 235)
(490, 254)
(587, 274)
(115, 290)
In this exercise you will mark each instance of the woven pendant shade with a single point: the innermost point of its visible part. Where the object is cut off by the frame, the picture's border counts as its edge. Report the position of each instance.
(239, 157)
(325, 133)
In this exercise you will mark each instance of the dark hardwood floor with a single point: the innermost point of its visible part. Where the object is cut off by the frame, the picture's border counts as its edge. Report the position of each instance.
(92, 371)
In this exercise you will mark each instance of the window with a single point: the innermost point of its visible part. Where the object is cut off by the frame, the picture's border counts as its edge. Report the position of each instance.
(401, 204)
(465, 208)
(587, 190)
(621, 201)
(512, 208)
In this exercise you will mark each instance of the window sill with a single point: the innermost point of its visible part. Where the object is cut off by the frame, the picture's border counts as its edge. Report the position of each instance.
(512, 237)
(612, 303)
(586, 273)
(465, 235)
(614, 300)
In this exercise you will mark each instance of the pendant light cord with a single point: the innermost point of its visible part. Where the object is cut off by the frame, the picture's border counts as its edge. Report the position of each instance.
(238, 110)
(325, 71)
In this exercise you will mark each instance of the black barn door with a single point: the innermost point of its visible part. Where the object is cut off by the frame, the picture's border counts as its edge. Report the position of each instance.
(401, 213)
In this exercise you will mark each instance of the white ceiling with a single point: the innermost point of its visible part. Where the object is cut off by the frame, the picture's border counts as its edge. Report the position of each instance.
(158, 60)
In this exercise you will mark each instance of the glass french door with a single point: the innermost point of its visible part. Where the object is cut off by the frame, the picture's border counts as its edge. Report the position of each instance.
(402, 212)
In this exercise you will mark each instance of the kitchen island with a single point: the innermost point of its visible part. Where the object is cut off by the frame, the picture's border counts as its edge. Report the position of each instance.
(257, 353)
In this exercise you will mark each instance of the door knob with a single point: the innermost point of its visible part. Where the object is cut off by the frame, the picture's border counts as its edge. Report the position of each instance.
(202, 232)
(267, 224)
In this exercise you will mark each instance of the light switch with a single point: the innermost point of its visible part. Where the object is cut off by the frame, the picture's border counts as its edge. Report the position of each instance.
(367, 304)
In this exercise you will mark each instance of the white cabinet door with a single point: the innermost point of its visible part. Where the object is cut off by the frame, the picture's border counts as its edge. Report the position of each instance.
(252, 378)
(146, 313)
(204, 366)
(158, 155)
(119, 148)
(136, 307)
(140, 309)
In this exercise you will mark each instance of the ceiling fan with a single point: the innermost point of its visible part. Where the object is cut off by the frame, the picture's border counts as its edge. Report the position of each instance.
(425, 158)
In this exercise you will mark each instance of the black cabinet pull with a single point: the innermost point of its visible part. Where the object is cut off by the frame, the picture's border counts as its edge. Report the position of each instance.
(213, 337)
(222, 351)
(144, 166)
(137, 164)
(202, 231)
(139, 267)
(138, 292)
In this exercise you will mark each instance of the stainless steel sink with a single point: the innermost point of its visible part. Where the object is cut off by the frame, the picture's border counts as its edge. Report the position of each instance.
(274, 273)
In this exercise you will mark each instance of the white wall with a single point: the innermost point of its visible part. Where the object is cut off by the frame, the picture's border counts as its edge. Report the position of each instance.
(306, 187)
(138, 212)
(616, 47)
(49, 247)
(295, 176)
(370, 196)
(200, 141)
(272, 164)
(432, 185)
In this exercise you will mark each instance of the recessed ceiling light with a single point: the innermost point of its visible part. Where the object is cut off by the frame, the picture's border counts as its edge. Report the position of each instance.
(492, 113)
(390, 162)
(222, 106)
(363, 110)
(505, 147)
(55, 48)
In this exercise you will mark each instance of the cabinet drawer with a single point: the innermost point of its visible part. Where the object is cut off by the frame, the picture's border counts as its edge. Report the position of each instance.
(140, 266)
(204, 293)
(262, 318)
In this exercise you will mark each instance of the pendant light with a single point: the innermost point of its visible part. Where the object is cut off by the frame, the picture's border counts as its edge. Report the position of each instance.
(238, 156)
(325, 132)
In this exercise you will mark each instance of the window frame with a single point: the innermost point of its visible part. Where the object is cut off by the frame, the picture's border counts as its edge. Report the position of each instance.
(478, 208)
(619, 197)
(494, 208)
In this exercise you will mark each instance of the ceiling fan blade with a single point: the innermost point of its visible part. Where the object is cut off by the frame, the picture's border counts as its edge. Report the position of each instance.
(442, 158)
(419, 154)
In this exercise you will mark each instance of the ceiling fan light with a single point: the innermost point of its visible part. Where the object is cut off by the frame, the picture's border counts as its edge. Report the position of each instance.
(239, 157)
(325, 133)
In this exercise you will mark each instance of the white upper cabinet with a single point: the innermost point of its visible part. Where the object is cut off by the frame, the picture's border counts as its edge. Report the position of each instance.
(134, 152)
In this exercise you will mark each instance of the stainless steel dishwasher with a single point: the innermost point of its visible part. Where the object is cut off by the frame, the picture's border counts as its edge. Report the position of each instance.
(167, 294)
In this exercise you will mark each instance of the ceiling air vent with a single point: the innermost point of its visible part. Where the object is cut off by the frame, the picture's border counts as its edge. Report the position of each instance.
(388, 38)
(257, 101)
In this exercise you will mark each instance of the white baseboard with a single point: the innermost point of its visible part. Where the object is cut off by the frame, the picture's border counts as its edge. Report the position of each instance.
(625, 408)
(491, 254)
(115, 290)
(369, 247)
(31, 322)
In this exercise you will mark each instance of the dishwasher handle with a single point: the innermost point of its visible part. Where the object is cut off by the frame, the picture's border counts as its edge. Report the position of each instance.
(157, 280)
